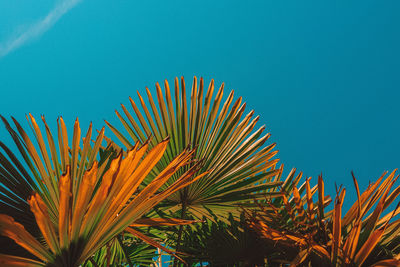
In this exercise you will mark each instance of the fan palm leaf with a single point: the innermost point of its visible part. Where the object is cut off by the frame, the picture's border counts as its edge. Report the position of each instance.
(41, 171)
(46, 163)
(76, 199)
(87, 222)
(233, 153)
(311, 235)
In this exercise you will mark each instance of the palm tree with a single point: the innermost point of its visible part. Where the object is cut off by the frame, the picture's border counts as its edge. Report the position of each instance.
(303, 233)
(79, 204)
(232, 153)
(239, 167)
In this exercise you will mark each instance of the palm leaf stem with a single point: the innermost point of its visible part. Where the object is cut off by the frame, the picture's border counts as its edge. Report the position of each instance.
(180, 231)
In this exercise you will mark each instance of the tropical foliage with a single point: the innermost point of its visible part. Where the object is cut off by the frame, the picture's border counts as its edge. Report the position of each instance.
(189, 175)
(303, 233)
(80, 211)
(239, 167)
(223, 244)
(224, 140)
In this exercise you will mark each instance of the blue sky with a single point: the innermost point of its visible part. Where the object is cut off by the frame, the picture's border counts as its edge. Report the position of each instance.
(323, 75)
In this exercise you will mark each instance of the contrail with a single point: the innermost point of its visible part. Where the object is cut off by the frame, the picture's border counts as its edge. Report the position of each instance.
(38, 28)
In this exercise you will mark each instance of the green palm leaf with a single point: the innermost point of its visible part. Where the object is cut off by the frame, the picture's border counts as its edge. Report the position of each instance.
(226, 141)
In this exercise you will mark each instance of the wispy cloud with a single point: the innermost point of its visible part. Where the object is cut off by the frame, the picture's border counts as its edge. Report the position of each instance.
(38, 28)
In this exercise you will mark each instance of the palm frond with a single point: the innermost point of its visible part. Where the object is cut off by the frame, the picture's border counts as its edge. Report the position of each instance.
(43, 162)
(355, 239)
(232, 153)
(84, 208)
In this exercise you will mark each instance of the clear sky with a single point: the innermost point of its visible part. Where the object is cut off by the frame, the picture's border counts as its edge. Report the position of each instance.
(323, 75)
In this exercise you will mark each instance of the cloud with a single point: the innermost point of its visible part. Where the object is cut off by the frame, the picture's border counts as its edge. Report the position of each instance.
(36, 29)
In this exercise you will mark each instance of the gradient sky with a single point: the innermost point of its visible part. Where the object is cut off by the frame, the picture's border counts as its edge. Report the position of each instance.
(323, 75)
